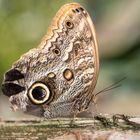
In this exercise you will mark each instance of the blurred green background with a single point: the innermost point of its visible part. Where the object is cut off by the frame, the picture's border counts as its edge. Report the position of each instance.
(24, 22)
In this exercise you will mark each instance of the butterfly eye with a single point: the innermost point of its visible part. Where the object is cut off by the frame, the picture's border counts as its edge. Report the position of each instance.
(39, 93)
(69, 24)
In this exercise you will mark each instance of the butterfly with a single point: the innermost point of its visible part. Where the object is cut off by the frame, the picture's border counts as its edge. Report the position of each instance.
(57, 79)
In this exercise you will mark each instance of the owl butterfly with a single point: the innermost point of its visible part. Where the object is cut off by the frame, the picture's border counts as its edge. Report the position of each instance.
(57, 78)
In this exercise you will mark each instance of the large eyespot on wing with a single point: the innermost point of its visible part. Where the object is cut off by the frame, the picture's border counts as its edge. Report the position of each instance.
(10, 89)
(13, 74)
(39, 93)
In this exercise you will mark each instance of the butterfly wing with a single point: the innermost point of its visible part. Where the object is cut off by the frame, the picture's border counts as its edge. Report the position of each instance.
(72, 31)
(58, 77)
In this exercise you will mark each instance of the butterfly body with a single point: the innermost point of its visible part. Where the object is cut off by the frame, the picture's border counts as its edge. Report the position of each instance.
(57, 78)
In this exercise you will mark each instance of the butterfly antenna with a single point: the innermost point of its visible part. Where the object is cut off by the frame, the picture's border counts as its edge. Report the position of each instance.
(113, 86)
